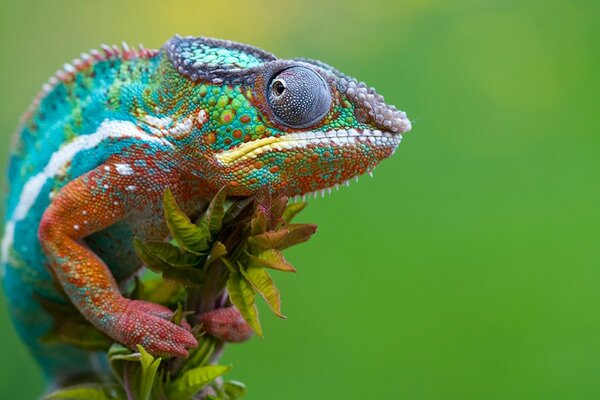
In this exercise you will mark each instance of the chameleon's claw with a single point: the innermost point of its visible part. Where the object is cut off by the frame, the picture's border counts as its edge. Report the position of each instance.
(226, 324)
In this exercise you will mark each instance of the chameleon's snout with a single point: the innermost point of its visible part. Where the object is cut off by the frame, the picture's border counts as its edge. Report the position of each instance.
(372, 109)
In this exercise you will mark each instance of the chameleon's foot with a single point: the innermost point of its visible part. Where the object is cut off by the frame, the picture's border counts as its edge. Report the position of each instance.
(226, 324)
(148, 324)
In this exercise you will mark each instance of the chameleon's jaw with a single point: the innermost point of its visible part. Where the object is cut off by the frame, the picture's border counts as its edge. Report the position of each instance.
(303, 162)
(297, 140)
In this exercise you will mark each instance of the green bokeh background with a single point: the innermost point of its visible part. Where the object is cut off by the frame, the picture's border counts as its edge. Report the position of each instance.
(469, 267)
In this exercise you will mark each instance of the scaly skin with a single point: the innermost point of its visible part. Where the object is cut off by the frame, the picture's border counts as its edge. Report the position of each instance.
(109, 133)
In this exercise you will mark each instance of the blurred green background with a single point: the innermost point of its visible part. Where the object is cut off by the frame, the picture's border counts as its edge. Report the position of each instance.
(469, 267)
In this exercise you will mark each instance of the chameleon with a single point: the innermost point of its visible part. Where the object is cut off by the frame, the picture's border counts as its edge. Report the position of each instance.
(116, 127)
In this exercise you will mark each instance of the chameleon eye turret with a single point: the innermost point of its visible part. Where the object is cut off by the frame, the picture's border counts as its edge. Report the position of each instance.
(299, 97)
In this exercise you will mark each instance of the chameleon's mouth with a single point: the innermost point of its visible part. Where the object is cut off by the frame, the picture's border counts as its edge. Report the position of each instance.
(295, 140)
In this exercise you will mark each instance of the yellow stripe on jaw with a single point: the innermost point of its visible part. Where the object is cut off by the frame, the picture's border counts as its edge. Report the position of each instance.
(342, 137)
(230, 156)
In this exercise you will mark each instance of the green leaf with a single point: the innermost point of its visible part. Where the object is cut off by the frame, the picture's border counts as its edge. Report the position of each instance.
(159, 392)
(200, 355)
(149, 368)
(212, 219)
(283, 238)
(194, 380)
(118, 352)
(172, 255)
(234, 389)
(185, 275)
(243, 297)
(179, 315)
(187, 235)
(292, 210)
(271, 258)
(149, 259)
(263, 283)
(159, 291)
(297, 233)
(118, 356)
(259, 222)
(89, 391)
(269, 239)
(218, 250)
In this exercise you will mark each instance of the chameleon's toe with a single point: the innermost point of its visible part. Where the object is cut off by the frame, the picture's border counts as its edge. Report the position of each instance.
(139, 324)
(226, 324)
(151, 308)
(158, 311)
(168, 339)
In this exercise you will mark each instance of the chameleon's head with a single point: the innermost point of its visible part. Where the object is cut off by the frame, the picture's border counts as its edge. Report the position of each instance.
(296, 126)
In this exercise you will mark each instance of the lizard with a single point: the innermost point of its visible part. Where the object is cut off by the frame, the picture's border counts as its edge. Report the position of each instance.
(113, 129)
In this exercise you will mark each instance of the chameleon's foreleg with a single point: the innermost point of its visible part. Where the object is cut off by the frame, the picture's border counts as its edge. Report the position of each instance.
(86, 205)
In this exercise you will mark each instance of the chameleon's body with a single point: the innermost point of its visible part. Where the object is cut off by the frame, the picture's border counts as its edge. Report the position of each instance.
(110, 132)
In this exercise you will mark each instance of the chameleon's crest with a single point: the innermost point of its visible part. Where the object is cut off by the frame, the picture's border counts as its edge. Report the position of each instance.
(207, 59)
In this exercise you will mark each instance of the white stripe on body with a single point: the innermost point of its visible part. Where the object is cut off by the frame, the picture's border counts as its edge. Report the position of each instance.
(33, 187)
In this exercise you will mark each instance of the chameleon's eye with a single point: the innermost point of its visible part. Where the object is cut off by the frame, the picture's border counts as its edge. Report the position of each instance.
(278, 86)
(298, 96)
